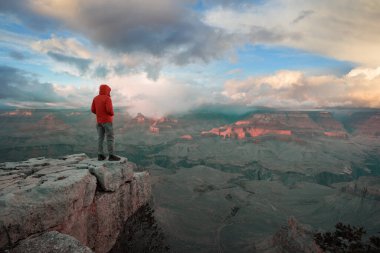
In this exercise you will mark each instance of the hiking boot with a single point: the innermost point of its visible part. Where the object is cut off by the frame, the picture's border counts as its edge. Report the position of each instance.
(113, 158)
(101, 157)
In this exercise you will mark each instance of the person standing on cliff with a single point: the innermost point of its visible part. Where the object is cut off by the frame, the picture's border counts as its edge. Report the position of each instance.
(102, 107)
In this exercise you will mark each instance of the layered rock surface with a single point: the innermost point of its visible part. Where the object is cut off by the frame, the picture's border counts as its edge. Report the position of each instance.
(74, 195)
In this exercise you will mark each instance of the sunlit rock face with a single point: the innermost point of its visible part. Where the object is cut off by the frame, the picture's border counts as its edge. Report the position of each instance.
(187, 137)
(156, 125)
(75, 195)
(162, 123)
(282, 124)
(154, 129)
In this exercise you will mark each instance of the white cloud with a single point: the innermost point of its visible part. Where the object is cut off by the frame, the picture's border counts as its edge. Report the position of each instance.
(67, 46)
(339, 29)
(294, 89)
(154, 98)
(368, 73)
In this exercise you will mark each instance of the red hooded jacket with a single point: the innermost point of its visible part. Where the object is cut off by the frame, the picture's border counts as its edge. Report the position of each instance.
(102, 105)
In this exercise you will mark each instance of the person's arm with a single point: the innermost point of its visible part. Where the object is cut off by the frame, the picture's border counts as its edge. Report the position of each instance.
(93, 108)
(109, 107)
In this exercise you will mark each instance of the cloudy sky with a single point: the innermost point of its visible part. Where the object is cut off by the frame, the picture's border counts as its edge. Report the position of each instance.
(168, 56)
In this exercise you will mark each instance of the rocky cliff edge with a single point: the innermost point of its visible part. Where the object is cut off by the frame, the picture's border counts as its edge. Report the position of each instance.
(74, 195)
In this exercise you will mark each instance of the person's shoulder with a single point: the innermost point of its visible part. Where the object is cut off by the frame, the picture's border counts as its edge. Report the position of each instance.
(98, 96)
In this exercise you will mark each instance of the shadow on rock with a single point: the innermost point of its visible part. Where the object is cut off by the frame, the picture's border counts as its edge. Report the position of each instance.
(141, 234)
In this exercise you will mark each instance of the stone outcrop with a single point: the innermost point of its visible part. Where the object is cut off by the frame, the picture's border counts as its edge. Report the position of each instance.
(75, 195)
(293, 237)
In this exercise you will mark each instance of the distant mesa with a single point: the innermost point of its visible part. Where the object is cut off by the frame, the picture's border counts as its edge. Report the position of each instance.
(22, 113)
(74, 114)
(141, 119)
(367, 124)
(327, 121)
(154, 129)
(163, 123)
(338, 134)
(242, 122)
(156, 125)
(49, 123)
(243, 132)
(187, 137)
(282, 124)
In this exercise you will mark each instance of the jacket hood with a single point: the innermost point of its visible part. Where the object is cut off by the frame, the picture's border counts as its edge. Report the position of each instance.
(104, 89)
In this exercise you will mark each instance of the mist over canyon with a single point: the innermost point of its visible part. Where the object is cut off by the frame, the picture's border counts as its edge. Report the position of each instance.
(228, 179)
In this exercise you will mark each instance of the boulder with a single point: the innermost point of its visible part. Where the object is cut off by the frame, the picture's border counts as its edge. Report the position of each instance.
(110, 175)
(44, 201)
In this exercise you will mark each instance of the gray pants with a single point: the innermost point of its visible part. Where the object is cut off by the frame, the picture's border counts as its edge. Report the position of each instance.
(107, 130)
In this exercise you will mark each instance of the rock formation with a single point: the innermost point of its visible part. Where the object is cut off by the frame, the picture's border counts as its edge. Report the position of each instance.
(21, 113)
(140, 119)
(282, 124)
(294, 237)
(368, 126)
(75, 195)
(187, 137)
(162, 123)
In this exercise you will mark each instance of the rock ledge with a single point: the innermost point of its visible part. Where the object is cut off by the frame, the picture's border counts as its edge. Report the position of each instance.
(74, 195)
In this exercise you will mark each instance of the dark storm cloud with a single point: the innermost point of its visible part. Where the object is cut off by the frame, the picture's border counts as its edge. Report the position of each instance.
(159, 28)
(165, 28)
(18, 85)
(81, 64)
(21, 9)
